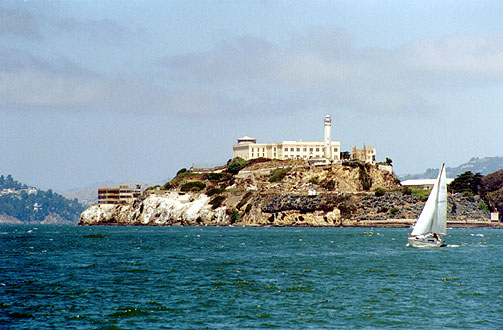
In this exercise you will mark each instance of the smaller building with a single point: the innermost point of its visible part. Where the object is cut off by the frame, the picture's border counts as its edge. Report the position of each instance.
(366, 155)
(120, 195)
(422, 183)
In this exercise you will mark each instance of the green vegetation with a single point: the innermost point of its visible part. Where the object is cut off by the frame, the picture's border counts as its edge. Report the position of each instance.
(244, 200)
(217, 177)
(278, 174)
(394, 211)
(491, 190)
(483, 206)
(406, 191)
(193, 186)
(364, 177)
(35, 205)
(216, 201)
(466, 182)
(382, 209)
(9, 183)
(181, 171)
(379, 192)
(314, 179)
(214, 191)
(167, 186)
(235, 165)
(421, 194)
(183, 175)
(235, 216)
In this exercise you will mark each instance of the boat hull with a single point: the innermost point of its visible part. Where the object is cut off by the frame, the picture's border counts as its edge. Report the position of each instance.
(425, 241)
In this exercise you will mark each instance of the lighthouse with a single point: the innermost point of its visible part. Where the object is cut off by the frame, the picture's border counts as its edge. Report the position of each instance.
(327, 140)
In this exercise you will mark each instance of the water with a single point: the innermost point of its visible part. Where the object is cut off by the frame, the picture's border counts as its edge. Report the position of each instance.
(246, 278)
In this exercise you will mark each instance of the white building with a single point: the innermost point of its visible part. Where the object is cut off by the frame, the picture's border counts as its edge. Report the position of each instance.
(248, 148)
(422, 183)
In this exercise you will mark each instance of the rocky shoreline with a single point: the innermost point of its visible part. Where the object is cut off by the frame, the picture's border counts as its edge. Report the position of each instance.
(306, 196)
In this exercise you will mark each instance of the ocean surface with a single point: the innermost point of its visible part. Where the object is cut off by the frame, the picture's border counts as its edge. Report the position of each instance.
(69, 277)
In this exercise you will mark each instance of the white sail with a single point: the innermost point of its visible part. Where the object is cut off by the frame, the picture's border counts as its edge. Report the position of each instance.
(434, 215)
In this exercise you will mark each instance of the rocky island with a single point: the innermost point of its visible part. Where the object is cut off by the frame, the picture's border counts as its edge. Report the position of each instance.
(264, 192)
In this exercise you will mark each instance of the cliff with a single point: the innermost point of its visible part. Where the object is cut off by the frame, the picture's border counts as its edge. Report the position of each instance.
(275, 193)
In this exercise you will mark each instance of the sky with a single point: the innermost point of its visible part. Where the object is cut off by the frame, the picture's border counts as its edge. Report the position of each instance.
(94, 91)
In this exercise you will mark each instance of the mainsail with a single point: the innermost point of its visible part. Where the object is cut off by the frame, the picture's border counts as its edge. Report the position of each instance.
(433, 218)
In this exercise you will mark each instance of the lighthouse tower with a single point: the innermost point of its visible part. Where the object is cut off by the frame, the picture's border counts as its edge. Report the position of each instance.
(327, 140)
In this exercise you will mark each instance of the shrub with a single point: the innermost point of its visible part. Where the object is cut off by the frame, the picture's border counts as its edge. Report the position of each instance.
(193, 186)
(469, 196)
(248, 208)
(217, 177)
(365, 178)
(181, 171)
(421, 194)
(216, 201)
(394, 211)
(329, 185)
(244, 200)
(235, 165)
(278, 174)
(235, 216)
(406, 191)
(484, 207)
(382, 209)
(314, 180)
(379, 192)
(214, 191)
(167, 186)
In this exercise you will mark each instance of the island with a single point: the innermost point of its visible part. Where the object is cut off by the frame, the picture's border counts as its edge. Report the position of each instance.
(290, 192)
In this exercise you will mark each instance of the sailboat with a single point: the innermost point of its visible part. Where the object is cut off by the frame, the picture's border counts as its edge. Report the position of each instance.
(432, 221)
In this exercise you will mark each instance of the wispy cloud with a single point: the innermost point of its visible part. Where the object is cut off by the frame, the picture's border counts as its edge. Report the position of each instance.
(105, 31)
(320, 68)
(19, 23)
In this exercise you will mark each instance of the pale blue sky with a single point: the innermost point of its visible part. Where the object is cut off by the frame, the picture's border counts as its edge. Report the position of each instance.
(92, 91)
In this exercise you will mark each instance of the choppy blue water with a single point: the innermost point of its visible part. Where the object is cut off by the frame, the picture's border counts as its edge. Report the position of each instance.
(246, 278)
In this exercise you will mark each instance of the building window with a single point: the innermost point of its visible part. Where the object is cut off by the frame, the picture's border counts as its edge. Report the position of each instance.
(292, 149)
(286, 149)
(305, 149)
(317, 149)
(298, 149)
(311, 149)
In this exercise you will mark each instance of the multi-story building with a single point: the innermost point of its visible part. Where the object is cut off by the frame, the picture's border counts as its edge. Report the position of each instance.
(123, 194)
(367, 154)
(248, 148)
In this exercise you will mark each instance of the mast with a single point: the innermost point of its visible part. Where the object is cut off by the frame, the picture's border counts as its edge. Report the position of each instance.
(432, 218)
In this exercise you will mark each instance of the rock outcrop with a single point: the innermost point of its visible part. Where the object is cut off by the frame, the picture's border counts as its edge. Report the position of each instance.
(302, 195)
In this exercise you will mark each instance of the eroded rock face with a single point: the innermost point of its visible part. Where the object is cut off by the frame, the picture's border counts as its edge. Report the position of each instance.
(331, 195)
(170, 209)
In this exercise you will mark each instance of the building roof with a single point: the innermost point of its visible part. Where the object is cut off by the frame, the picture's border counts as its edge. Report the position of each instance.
(422, 182)
(246, 138)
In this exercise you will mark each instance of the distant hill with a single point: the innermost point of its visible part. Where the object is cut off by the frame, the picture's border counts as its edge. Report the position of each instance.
(483, 166)
(20, 203)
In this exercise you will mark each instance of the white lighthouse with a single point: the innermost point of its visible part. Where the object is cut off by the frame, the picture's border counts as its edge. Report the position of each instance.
(327, 140)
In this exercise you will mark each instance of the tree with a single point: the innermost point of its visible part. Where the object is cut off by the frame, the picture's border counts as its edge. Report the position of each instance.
(235, 165)
(388, 161)
(345, 155)
(466, 182)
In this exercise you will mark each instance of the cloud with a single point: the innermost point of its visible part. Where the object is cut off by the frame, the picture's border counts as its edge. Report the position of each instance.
(104, 31)
(329, 71)
(319, 69)
(18, 23)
